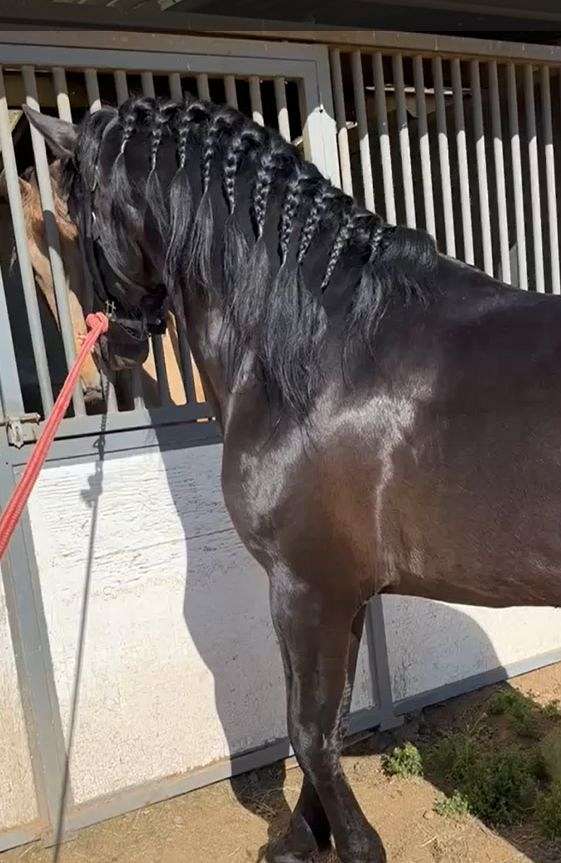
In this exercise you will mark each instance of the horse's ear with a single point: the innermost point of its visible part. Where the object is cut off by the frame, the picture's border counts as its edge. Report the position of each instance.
(60, 135)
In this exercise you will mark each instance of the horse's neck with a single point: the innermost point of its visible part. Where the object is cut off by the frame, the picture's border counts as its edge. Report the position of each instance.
(205, 335)
(203, 342)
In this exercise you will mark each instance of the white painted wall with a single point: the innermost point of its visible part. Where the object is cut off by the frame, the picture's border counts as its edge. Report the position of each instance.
(431, 644)
(181, 665)
(17, 795)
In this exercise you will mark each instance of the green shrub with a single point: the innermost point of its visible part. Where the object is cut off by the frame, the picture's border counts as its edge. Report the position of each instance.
(455, 806)
(518, 708)
(454, 758)
(552, 710)
(505, 787)
(548, 812)
(499, 785)
(404, 761)
(550, 748)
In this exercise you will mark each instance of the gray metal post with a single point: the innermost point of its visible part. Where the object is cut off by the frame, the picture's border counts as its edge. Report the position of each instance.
(379, 665)
(11, 400)
(32, 654)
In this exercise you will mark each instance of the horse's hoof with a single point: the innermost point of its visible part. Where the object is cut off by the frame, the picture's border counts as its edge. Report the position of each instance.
(298, 845)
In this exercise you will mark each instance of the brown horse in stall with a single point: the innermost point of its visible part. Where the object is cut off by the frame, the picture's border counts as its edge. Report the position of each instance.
(80, 301)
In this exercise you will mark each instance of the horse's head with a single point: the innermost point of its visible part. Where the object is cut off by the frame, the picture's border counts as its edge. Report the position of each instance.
(79, 295)
(114, 239)
(226, 215)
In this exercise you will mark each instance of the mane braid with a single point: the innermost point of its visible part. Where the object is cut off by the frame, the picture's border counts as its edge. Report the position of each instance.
(292, 201)
(242, 195)
(235, 242)
(188, 117)
(201, 243)
(319, 205)
(241, 306)
(343, 236)
(154, 192)
(123, 207)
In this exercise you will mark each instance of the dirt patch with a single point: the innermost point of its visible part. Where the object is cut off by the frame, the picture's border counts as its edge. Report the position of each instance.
(231, 822)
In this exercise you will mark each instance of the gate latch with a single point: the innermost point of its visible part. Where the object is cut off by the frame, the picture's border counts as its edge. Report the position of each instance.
(21, 429)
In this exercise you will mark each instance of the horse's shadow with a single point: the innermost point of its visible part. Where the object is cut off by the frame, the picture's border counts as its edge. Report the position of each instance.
(226, 614)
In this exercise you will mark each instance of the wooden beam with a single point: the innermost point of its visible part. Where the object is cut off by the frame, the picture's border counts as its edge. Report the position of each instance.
(437, 16)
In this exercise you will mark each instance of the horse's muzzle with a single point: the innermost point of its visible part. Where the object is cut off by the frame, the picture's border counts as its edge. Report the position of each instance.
(118, 356)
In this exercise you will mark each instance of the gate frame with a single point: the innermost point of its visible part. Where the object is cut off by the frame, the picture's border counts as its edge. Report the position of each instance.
(164, 54)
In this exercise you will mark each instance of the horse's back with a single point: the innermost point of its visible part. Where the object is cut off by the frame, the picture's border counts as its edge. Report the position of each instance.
(473, 507)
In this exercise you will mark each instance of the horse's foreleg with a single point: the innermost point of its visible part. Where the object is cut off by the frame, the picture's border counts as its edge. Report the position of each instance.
(319, 643)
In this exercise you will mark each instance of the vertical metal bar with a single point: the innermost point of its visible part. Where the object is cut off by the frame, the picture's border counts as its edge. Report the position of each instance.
(465, 195)
(61, 92)
(175, 88)
(176, 92)
(517, 178)
(33, 658)
(404, 143)
(11, 399)
(255, 99)
(136, 388)
(550, 180)
(362, 128)
(185, 363)
(341, 120)
(424, 145)
(534, 176)
(121, 86)
(383, 134)
(157, 347)
(92, 88)
(20, 235)
(231, 92)
(444, 157)
(499, 170)
(52, 237)
(122, 91)
(161, 373)
(479, 132)
(94, 101)
(282, 110)
(148, 89)
(379, 664)
(202, 86)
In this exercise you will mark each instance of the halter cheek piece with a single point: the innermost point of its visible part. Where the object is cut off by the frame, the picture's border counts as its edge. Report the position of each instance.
(135, 311)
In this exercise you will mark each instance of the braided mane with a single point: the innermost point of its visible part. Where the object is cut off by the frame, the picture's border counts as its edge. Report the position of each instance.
(245, 221)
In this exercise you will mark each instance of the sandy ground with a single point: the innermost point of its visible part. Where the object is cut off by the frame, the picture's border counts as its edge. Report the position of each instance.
(232, 821)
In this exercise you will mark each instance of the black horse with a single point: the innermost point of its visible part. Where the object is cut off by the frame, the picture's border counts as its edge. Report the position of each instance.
(391, 417)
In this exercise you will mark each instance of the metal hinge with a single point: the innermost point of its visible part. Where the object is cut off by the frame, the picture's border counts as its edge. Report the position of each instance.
(21, 429)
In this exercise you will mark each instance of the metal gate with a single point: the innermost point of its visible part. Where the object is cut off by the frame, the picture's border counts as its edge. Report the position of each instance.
(71, 72)
(464, 134)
